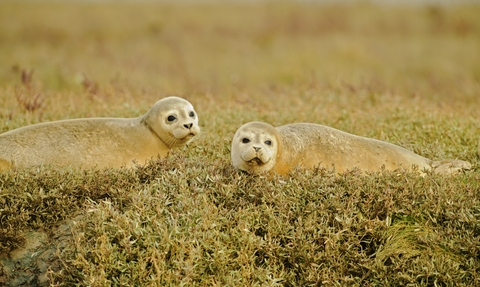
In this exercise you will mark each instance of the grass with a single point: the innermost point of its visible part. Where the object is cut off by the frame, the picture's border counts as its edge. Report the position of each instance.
(407, 75)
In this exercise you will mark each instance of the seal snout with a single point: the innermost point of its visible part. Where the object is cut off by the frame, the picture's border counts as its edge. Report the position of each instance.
(191, 129)
(255, 161)
(256, 156)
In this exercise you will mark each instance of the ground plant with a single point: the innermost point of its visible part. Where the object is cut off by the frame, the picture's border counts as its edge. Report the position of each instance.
(409, 75)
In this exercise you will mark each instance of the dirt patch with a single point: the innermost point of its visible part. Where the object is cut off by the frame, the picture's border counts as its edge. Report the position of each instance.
(30, 264)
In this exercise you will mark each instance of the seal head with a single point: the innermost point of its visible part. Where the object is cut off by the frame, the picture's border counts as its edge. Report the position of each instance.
(255, 147)
(173, 120)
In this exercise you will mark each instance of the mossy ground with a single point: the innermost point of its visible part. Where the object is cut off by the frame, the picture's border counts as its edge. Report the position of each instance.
(407, 75)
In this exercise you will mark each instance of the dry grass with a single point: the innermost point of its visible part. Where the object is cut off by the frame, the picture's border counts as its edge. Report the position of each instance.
(407, 75)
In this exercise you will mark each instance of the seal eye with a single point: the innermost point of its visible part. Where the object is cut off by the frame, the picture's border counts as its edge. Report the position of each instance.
(268, 142)
(192, 114)
(171, 118)
(245, 140)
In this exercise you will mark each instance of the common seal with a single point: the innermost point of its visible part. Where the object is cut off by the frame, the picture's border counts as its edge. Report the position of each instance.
(258, 147)
(102, 142)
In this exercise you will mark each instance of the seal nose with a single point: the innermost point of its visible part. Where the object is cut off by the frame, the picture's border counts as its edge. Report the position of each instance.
(256, 148)
(188, 126)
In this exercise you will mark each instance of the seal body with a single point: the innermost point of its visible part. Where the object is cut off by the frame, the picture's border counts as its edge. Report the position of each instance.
(258, 147)
(102, 142)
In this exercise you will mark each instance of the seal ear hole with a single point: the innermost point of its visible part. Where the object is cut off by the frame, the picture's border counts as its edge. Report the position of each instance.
(245, 140)
(268, 142)
(191, 114)
(171, 118)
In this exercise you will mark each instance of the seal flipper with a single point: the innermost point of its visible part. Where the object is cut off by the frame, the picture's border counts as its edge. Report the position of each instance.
(450, 166)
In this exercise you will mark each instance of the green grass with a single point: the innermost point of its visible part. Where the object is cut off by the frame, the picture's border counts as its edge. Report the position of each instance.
(407, 75)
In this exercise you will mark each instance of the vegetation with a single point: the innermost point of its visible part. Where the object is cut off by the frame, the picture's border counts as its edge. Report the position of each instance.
(406, 75)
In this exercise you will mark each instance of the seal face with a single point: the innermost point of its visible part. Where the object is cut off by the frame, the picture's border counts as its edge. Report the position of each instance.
(259, 147)
(174, 121)
(254, 147)
(171, 123)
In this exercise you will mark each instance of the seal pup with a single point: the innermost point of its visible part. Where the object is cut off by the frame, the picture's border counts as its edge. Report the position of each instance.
(258, 147)
(170, 123)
